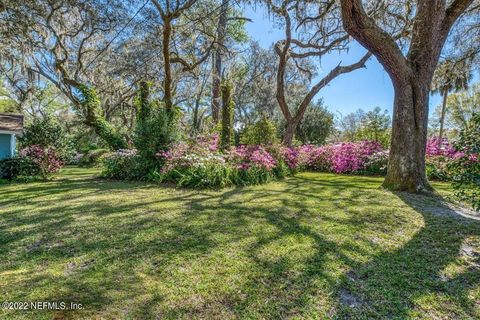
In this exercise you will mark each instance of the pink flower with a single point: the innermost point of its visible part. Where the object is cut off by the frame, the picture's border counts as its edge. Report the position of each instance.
(436, 147)
(46, 159)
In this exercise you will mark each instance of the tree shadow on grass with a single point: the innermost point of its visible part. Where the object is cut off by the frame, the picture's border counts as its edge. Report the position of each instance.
(431, 276)
(297, 248)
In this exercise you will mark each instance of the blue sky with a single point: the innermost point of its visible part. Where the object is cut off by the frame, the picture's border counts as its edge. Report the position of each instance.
(364, 88)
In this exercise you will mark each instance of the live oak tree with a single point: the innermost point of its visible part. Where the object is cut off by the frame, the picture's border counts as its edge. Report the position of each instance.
(170, 14)
(411, 72)
(312, 29)
(73, 38)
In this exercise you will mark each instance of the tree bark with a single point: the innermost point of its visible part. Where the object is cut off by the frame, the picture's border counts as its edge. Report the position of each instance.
(195, 123)
(167, 82)
(217, 61)
(289, 133)
(406, 165)
(442, 116)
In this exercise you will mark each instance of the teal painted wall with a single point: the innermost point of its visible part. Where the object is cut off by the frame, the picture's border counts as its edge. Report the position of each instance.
(5, 146)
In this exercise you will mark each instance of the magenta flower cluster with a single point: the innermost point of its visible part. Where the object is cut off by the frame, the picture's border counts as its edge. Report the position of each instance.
(204, 151)
(45, 158)
(244, 157)
(339, 158)
(441, 147)
(345, 157)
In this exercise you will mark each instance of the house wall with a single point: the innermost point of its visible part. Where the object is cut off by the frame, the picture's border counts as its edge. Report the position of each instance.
(5, 145)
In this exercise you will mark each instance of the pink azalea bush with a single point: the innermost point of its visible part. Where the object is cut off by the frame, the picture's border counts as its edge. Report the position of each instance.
(202, 156)
(244, 157)
(439, 154)
(46, 159)
(441, 147)
(339, 158)
(200, 162)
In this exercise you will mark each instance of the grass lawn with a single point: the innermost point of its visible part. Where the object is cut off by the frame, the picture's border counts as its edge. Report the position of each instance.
(311, 246)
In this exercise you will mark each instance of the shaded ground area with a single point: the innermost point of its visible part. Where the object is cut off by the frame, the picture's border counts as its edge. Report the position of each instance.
(312, 246)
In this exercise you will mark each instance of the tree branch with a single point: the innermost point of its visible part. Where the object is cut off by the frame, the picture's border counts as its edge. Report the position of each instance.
(361, 27)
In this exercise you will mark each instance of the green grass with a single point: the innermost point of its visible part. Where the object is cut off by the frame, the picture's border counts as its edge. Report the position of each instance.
(314, 246)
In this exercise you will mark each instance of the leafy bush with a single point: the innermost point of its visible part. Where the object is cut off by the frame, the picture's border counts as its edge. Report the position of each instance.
(33, 162)
(19, 168)
(208, 175)
(48, 133)
(47, 160)
(92, 157)
(466, 167)
(437, 168)
(126, 164)
(156, 133)
(120, 164)
(263, 132)
(376, 164)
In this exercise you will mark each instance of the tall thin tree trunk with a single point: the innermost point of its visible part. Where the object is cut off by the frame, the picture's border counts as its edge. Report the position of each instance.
(195, 123)
(406, 166)
(217, 61)
(167, 82)
(442, 116)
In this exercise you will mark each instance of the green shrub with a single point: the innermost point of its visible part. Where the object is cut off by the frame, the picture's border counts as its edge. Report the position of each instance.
(156, 133)
(437, 168)
(220, 176)
(117, 166)
(48, 133)
(466, 168)
(126, 164)
(92, 157)
(262, 132)
(208, 176)
(19, 168)
(281, 170)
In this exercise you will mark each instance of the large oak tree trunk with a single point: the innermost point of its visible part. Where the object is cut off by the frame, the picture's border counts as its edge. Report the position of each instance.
(411, 75)
(406, 166)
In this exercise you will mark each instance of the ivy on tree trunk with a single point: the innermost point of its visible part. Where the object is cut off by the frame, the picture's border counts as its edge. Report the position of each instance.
(90, 103)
